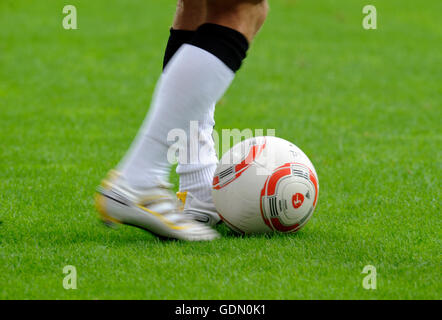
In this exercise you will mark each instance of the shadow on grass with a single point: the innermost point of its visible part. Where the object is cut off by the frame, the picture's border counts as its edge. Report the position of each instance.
(226, 232)
(93, 232)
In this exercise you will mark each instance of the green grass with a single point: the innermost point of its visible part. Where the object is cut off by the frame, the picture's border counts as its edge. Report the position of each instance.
(364, 105)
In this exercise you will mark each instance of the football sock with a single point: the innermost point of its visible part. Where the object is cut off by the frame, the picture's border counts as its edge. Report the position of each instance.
(230, 47)
(195, 78)
(196, 177)
(176, 39)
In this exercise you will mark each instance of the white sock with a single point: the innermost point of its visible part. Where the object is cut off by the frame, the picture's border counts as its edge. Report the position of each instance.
(193, 81)
(197, 177)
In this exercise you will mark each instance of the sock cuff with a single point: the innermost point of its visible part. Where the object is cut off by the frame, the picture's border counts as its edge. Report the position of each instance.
(228, 45)
(177, 38)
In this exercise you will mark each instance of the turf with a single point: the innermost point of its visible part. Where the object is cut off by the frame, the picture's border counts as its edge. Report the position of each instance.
(364, 105)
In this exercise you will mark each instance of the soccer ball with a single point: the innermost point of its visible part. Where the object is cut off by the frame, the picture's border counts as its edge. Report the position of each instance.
(265, 184)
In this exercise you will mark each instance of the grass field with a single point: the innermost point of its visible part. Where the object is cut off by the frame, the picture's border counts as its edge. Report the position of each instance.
(365, 106)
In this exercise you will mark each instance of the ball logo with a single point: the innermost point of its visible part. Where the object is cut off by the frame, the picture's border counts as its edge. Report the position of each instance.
(297, 200)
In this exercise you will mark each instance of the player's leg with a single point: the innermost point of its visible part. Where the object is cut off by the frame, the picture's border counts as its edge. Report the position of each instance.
(152, 206)
(196, 175)
(245, 17)
(195, 78)
(195, 178)
(193, 81)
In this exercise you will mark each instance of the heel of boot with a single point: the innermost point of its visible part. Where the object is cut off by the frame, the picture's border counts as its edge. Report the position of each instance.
(104, 217)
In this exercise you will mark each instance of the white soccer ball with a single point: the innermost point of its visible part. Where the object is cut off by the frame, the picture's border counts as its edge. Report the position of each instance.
(265, 184)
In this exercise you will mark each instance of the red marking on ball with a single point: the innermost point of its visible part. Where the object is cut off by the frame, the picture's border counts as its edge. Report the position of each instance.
(297, 200)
